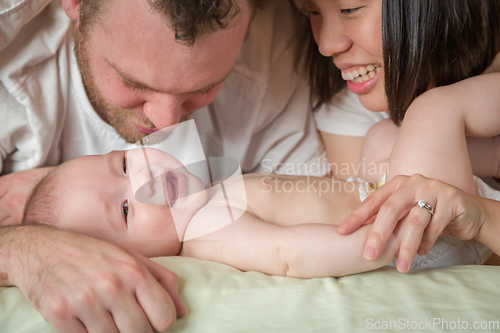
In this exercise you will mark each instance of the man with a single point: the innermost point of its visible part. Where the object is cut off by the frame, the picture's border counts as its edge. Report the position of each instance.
(137, 65)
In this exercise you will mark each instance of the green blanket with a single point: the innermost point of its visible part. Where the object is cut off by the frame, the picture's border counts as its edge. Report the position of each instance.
(219, 298)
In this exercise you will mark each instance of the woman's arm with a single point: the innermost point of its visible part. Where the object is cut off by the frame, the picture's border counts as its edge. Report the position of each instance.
(301, 251)
(489, 230)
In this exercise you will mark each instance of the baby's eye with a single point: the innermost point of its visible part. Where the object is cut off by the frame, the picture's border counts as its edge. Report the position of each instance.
(125, 162)
(125, 210)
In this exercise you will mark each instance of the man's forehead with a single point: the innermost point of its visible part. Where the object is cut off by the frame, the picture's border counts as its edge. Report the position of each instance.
(141, 45)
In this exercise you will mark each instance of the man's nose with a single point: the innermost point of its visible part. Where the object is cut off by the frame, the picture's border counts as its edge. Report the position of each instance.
(164, 109)
(332, 40)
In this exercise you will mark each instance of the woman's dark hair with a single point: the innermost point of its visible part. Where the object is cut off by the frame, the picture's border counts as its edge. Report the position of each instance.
(425, 42)
(436, 42)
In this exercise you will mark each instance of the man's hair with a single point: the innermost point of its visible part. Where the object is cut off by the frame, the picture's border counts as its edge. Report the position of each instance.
(40, 206)
(436, 42)
(189, 19)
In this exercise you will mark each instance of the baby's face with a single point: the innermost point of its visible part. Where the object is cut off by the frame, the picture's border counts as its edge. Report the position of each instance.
(96, 197)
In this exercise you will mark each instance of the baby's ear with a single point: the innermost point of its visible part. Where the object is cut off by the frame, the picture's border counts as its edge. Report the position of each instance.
(72, 8)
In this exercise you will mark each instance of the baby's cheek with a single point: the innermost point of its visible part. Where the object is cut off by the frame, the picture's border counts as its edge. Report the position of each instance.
(167, 238)
(172, 249)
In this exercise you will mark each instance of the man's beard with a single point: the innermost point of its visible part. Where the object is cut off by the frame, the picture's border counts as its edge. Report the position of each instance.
(121, 119)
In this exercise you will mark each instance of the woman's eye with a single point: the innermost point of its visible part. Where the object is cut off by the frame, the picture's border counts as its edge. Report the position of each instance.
(313, 12)
(125, 210)
(125, 163)
(349, 11)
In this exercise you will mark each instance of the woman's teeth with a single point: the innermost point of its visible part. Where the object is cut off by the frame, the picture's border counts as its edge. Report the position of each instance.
(361, 74)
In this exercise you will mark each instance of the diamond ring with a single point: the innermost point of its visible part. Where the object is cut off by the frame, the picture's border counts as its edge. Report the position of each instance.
(426, 206)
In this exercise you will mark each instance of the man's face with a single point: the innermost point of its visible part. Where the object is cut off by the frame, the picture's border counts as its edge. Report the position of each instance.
(139, 78)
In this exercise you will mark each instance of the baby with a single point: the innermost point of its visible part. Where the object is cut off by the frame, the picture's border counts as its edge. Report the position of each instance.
(283, 225)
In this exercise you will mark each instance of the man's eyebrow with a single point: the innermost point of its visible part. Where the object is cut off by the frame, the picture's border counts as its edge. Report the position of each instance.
(142, 85)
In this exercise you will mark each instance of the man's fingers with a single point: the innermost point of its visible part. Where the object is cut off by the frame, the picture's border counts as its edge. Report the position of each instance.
(72, 325)
(414, 225)
(169, 283)
(130, 317)
(100, 320)
(158, 297)
(168, 280)
(157, 305)
(82, 312)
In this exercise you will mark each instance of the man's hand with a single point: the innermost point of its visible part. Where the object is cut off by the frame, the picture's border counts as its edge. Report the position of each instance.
(81, 284)
(14, 191)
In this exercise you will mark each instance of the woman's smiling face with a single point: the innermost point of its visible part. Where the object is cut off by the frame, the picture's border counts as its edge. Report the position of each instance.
(350, 31)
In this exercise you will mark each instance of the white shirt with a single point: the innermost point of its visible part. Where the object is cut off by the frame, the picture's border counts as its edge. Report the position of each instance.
(345, 115)
(261, 117)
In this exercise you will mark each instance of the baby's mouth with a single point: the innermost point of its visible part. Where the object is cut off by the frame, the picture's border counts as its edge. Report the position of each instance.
(171, 188)
(175, 186)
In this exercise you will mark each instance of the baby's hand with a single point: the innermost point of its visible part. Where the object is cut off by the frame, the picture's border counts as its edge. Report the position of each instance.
(14, 191)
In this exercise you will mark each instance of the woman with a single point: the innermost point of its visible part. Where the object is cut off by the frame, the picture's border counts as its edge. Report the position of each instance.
(408, 48)
(390, 52)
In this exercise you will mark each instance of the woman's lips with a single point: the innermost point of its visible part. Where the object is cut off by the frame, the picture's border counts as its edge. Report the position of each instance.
(145, 130)
(363, 87)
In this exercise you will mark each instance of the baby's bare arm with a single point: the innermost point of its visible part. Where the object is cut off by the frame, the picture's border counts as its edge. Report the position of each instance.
(301, 251)
(431, 140)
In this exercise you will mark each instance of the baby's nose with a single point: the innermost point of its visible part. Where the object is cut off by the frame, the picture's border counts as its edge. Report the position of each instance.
(146, 180)
(152, 191)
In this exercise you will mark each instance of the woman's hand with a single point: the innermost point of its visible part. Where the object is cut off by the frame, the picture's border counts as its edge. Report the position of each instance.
(460, 213)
